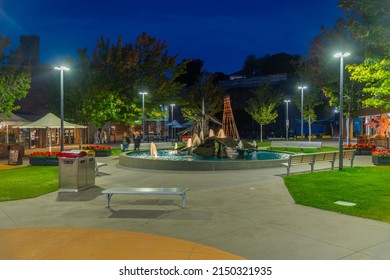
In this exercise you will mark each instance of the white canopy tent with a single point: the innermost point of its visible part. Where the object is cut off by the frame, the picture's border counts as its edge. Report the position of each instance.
(51, 121)
(14, 120)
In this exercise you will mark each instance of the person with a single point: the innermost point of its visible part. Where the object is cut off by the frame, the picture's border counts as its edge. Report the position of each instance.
(125, 141)
(137, 141)
(97, 136)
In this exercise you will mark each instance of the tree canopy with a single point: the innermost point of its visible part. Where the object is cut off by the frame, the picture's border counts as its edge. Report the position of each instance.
(110, 83)
(14, 78)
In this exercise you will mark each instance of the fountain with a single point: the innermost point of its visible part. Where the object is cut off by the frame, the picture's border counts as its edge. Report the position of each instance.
(206, 152)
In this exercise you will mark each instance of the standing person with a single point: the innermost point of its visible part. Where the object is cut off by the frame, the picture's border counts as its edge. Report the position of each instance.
(137, 141)
(125, 141)
(97, 136)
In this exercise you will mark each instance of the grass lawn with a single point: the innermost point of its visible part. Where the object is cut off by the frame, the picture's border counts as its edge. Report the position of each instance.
(28, 182)
(368, 187)
(267, 144)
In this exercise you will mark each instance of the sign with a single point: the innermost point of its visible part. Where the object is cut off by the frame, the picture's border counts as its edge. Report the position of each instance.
(15, 157)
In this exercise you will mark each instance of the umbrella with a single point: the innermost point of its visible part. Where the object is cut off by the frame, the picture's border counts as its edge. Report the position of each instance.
(173, 123)
(51, 121)
(188, 124)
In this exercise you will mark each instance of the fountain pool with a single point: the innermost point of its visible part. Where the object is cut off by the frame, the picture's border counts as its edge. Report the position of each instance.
(171, 160)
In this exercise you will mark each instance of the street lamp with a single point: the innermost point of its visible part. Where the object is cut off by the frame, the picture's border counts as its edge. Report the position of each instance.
(287, 122)
(62, 69)
(172, 105)
(341, 56)
(302, 88)
(143, 113)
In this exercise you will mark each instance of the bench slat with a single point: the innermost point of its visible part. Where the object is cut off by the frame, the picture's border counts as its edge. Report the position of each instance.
(146, 191)
(311, 159)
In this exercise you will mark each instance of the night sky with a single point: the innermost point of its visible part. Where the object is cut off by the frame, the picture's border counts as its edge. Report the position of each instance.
(221, 33)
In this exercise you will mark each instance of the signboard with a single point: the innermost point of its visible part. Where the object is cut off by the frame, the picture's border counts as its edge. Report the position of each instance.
(14, 157)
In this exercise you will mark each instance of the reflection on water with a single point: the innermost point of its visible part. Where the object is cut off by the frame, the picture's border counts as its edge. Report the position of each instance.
(173, 155)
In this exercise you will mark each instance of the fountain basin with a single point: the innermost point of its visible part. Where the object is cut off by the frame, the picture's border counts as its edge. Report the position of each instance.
(168, 160)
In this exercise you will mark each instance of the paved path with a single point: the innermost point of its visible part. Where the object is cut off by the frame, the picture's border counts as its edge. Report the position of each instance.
(248, 213)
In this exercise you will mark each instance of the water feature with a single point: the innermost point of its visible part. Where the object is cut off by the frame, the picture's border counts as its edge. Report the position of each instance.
(166, 159)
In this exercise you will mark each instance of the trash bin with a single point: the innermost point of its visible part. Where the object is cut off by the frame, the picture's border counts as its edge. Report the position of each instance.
(91, 166)
(72, 171)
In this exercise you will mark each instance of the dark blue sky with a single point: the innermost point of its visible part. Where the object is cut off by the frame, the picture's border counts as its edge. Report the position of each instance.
(221, 33)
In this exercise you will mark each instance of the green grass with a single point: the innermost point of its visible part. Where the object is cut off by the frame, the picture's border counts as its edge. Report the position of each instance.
(267, 144)
(28, 182)
(368, 187)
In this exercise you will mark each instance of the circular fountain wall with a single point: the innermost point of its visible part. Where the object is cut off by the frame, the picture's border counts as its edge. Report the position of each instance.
(169, 160)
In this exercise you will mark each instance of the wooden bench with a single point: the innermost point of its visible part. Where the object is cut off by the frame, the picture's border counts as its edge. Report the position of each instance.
(97, 166)
(146, 191)
(312, 159)
(296, 144)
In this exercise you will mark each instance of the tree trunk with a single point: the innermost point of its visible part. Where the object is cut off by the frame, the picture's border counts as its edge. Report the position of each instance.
(261, 133)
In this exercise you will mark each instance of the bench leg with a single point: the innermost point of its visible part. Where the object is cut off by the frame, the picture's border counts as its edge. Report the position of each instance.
(183, 201)
(108, 199)
(288, 170)
(312, 167)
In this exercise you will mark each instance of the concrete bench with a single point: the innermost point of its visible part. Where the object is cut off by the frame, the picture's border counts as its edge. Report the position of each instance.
(146, 191)
(312, 159)
(296, 144)
(97, 166)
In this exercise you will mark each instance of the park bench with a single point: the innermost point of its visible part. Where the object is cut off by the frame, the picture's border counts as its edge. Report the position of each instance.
(312, 159)
(296, 144)
(146, 191)
(97, 166)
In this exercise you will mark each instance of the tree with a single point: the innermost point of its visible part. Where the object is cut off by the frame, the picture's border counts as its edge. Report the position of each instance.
(14, 79)
(117, 73)
(368, 23)
(206, 95)
(262, 106)
(312, 97)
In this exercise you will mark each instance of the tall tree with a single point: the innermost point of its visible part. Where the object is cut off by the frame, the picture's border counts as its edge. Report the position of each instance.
(14, 79)
(263, 104)
(368, 23)
(117, 73)
(206, 91)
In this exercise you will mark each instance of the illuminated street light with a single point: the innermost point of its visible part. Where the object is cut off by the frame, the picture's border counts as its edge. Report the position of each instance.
(143, 113)
(341, 56)
(302, 88)
(62, 69)
(287, 121)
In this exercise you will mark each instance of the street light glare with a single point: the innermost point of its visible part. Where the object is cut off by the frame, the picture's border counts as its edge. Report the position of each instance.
(143, 93)
(304, 87)
(62, 68)
(339, 54)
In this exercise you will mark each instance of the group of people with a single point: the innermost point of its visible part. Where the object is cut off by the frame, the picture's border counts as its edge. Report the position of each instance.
(100, 137)
(126, 141)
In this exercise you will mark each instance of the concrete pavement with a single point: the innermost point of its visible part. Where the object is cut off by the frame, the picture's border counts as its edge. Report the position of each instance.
(248, 213)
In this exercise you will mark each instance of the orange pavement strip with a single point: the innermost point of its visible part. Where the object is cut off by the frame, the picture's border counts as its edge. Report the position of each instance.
(100, 244)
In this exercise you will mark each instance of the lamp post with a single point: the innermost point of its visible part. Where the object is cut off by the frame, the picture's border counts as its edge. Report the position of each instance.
(143, 113)
(302, 88)
(172, 105)
(62, 69)
(287, 122)
(341, 56)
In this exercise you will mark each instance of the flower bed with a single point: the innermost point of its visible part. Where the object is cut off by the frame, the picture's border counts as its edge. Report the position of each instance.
(381, 157)
(100, 150)
(361, 148)
(44, 158)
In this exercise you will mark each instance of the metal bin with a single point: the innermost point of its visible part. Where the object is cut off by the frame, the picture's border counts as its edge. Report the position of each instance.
(72, 171)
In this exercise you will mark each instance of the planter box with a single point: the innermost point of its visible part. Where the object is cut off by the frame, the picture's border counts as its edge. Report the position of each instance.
(363, 151)
(51, 161)
(381, 160)
(37, 161)
(43, 161)
(103, 153)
